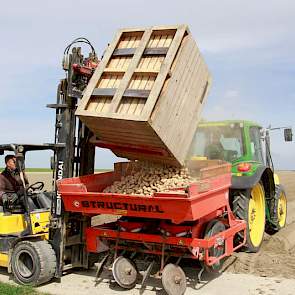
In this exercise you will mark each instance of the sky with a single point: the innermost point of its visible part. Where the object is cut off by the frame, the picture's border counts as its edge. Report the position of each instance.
(249, 47)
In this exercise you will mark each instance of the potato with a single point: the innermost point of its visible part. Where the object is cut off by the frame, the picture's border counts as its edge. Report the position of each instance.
(149, 178)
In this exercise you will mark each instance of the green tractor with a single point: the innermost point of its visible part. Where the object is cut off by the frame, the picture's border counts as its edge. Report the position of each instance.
(256, 194)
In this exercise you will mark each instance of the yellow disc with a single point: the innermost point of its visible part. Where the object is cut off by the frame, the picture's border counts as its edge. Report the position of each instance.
(256, 215)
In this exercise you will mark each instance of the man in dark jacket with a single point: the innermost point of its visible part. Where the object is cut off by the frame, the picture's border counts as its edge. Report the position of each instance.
(11, 185)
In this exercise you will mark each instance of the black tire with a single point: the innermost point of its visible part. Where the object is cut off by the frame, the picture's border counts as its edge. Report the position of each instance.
(214, 227)
(33, 262)
(240, 206)
(276, 223)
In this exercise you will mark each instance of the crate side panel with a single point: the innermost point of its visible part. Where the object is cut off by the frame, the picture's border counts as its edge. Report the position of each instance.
(168, 99)
(179, 101)
(190, 113)
(98, 73)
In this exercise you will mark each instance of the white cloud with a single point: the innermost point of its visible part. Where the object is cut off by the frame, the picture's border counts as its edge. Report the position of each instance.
(231, 105)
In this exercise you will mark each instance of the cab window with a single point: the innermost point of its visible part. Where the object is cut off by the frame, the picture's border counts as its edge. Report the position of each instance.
(255, 144)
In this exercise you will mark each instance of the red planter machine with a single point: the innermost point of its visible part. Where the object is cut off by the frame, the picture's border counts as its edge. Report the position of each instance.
(193, 222)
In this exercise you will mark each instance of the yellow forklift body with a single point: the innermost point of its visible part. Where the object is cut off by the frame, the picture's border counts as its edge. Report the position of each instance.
(4, 259)
(16, 223)
(40, 222)
(10, 224)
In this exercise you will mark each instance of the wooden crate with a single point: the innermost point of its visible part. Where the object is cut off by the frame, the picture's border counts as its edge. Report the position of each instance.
(144, 99)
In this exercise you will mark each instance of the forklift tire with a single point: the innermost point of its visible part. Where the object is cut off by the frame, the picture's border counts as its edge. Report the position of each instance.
(33, 262)
(249, 205)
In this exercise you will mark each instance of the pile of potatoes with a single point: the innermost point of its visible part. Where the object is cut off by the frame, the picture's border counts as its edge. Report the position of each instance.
(151, 178)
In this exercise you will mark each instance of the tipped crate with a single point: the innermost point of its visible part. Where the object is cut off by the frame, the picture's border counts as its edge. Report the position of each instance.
(145, 97)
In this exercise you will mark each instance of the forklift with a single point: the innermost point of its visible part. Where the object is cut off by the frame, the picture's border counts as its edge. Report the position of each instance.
(39, 244)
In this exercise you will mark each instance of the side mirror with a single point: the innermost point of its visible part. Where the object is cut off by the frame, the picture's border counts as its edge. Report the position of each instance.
(288, 134)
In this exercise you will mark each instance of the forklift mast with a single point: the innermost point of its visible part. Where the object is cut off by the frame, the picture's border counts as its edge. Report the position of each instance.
(73, 157)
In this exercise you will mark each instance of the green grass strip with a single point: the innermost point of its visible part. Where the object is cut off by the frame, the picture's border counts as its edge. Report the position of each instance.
(9, 289)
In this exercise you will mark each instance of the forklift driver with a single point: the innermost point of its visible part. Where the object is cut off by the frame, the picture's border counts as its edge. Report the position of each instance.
(11, 186)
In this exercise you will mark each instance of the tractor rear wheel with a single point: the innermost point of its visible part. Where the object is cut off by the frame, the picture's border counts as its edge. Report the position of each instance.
(33, 262)
(249, 205)
(278, 211)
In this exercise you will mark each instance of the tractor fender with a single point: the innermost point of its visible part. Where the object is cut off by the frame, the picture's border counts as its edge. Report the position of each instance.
(262, 173)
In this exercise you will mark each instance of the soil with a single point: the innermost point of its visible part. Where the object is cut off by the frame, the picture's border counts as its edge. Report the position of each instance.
(274, 259)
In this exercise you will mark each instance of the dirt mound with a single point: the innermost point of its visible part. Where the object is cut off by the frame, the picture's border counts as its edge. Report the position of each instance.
(273, 260)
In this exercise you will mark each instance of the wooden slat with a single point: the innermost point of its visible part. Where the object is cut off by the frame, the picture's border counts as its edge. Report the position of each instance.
(121, 138)
(147, 51)
(140, 93)
(132, 66)
(149, 72)
(124, 51)
(156, 51)
(97, 74)
(104, 92)
(93, 115)
(137, 71)
(165, 68)
(114, 71)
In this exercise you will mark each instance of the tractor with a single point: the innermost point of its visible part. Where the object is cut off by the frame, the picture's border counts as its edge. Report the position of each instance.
(256, 194)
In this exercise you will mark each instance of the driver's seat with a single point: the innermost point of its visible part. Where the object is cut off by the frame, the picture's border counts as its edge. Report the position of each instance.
(44, 200)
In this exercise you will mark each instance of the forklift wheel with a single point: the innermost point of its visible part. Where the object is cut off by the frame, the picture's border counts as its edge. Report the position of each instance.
(33, 262)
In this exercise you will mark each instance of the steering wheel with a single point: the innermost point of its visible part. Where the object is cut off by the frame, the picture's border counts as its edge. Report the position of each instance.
(37, 186)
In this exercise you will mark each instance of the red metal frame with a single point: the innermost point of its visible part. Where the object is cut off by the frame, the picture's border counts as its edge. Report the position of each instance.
(84, 195)
(196, 205)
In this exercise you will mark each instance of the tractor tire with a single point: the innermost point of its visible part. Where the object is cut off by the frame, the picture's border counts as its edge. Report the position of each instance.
(278, 211)
(33, 262)
(249, 205)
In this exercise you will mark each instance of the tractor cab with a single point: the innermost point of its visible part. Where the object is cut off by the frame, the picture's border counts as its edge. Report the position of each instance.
(245, 144)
